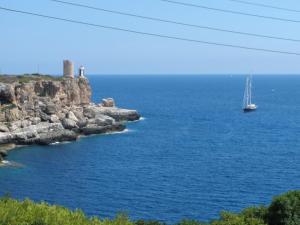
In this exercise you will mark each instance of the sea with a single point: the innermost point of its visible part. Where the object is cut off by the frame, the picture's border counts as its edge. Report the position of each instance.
(193, 154)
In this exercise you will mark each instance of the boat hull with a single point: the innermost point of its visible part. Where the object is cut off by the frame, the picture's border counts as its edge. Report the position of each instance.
(249, 109)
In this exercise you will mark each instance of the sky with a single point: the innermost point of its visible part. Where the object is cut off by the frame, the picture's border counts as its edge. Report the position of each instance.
(31, 44)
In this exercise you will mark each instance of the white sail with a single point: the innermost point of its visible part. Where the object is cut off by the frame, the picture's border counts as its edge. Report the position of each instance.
(247, 102)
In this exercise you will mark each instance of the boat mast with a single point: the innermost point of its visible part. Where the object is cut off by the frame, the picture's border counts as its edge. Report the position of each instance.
(250, 90)
(246, 94)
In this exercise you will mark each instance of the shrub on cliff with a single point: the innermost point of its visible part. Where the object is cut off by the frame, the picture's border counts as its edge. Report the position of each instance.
(260, 212)
(150, 222)
(26, 212)
(285, 209)
(191, 222)
(228, 218)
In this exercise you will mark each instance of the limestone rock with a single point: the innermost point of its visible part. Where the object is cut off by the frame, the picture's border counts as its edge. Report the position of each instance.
(5, 138)
(45, 109)
(95, 129)
(82, 123)
(72, 116)
(102, 120)
(3, 153)
(50, 108)
(3, 128)
(69, 124)
(15, 125)
(44, 116)
(35, 120)
(56, 136)
(79, 114)
(12, 114)
(54, 119)
(7, 94)
(120, 114)
(89, 112)
(108, 102)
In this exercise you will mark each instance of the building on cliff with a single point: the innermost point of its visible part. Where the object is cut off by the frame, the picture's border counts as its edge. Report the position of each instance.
(81, 72)
(68, 69)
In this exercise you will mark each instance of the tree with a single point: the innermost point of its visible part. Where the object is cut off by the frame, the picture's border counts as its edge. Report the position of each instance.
(285, 209)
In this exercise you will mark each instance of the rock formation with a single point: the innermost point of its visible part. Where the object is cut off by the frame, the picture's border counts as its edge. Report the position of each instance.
(44, 109)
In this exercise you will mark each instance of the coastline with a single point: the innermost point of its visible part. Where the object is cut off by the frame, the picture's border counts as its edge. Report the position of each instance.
(7, 148)
(114, 129)
(42, 110)
(4, 149)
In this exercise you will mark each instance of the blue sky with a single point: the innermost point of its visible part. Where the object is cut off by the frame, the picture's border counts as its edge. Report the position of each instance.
(28, 41)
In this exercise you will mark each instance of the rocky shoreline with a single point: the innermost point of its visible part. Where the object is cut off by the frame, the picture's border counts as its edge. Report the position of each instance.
(43, 110)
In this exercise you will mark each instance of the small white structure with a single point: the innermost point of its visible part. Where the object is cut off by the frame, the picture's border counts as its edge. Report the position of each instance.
(81, 71)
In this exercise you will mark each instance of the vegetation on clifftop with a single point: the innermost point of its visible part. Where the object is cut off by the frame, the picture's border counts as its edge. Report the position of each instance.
(284, 210)
(25, 78)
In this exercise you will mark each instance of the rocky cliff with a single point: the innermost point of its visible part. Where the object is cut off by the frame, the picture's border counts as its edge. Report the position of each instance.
(44, 109)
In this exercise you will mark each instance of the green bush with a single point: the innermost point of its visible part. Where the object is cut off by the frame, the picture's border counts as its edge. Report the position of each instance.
(228, 218)
(285, 209)
(150, 222)
(26, 212)
(191, 222)
(256, 212)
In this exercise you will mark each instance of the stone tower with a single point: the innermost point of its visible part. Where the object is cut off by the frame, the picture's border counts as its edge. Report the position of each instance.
(68, 69)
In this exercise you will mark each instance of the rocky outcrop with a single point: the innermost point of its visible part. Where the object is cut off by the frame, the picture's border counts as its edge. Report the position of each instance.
(108, 102)
(43, 110)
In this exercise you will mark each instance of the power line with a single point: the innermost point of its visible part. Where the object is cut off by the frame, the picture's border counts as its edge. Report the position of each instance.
(176, 22)
(265, 5)
(151, 34)
(231, 11)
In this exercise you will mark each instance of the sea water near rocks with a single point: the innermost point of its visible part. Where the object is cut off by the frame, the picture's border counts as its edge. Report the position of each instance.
(194, 155)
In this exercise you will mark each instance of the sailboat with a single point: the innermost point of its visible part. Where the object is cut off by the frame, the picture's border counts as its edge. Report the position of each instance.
(248, 106)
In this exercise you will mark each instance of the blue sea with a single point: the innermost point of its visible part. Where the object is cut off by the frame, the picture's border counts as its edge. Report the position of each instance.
(194, 154)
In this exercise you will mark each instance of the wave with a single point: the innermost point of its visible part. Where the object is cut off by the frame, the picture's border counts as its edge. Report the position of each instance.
(55, 143)
(7, 163)
(119, 132)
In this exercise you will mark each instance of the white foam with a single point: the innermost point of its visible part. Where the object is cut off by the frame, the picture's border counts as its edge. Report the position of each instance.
(119, 132)
(135, 121)
(6, 162)
(55, 143)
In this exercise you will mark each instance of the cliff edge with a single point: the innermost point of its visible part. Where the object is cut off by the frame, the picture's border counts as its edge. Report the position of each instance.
(38, 109)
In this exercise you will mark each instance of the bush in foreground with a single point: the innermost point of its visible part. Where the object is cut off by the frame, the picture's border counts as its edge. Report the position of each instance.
(13, 212)
(284, 210)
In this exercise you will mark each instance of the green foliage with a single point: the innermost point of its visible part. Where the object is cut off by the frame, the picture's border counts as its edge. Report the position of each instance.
(150, 222)
(256, 212)
(25, 78)
(237, 219)
(191, 222)
(26, 212)
(285, 209)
